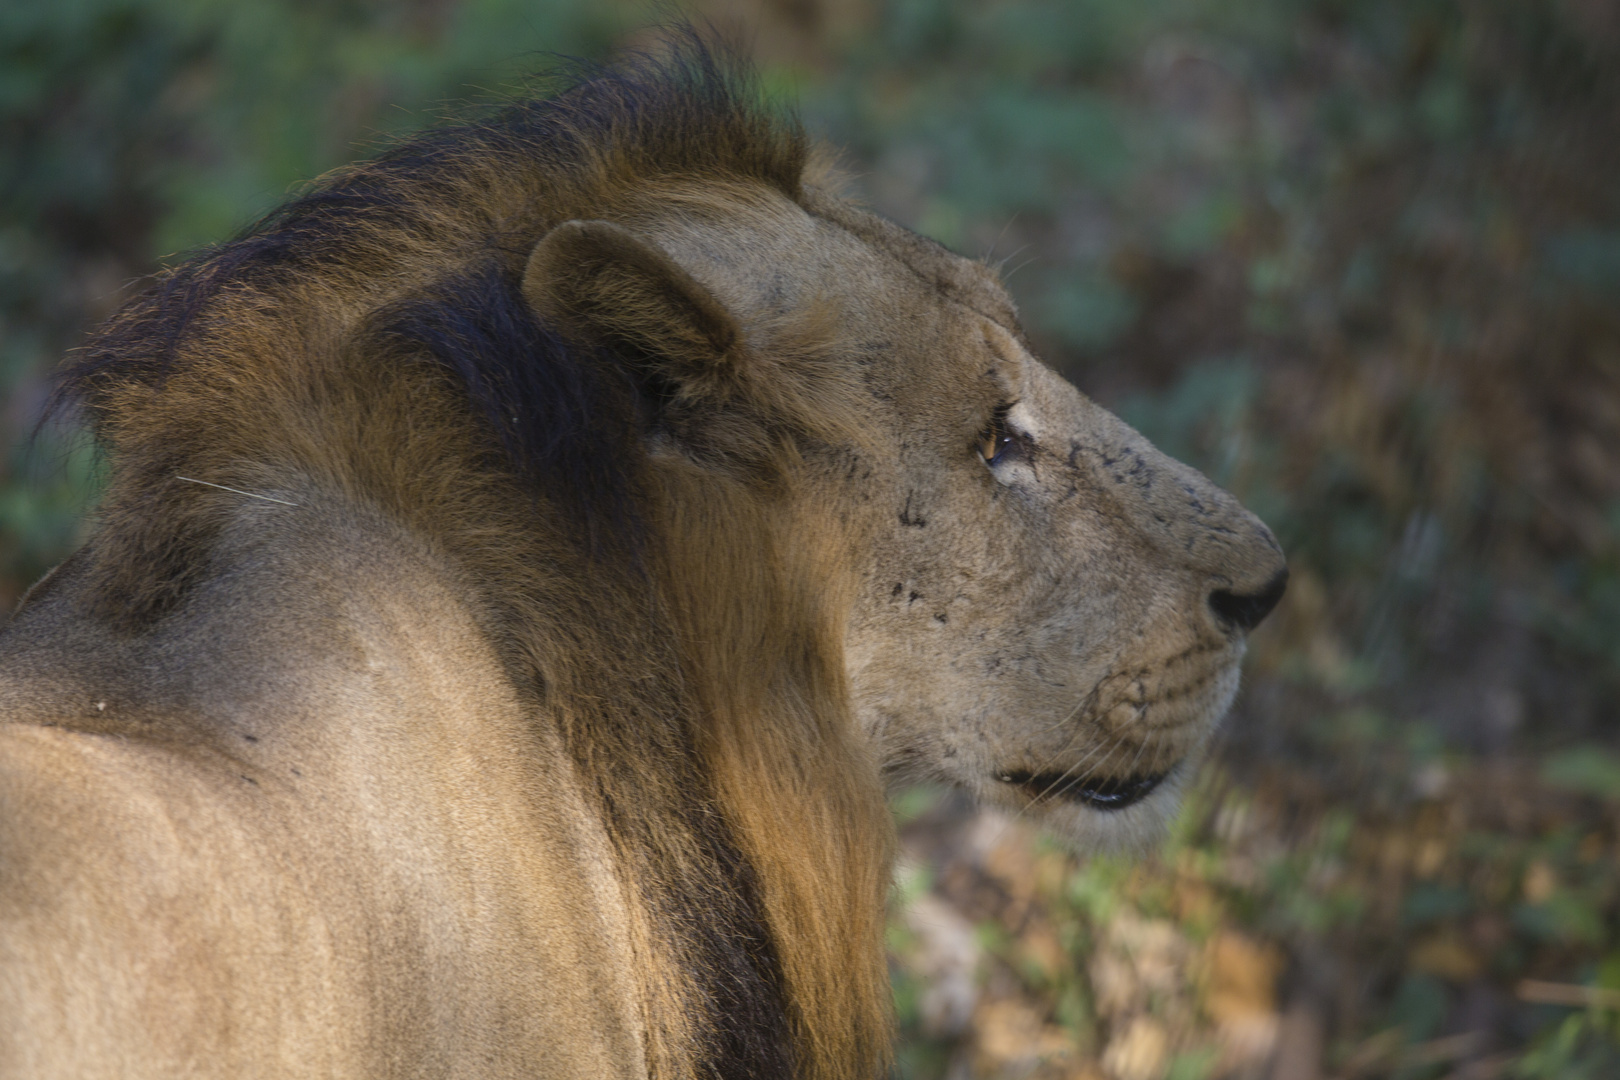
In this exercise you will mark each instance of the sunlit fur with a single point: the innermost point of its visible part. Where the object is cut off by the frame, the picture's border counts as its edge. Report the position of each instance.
(485, 656)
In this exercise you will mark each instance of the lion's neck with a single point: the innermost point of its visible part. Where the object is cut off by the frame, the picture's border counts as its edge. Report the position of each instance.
(354, 678)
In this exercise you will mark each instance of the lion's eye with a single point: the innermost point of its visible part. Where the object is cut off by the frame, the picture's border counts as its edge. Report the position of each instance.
(996, 441)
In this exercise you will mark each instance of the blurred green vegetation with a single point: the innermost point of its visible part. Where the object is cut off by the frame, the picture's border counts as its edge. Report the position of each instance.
(1359, 260)
(133, 131)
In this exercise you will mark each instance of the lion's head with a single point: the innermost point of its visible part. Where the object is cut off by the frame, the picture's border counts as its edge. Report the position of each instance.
(1054, 612)
(751, 499)
(1041, 607)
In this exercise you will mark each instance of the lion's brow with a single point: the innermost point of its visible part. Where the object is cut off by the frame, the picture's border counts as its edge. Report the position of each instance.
(953, 277)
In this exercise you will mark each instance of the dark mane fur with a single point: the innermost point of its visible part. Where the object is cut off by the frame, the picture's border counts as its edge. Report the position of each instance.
(370, 340)
(555, 413)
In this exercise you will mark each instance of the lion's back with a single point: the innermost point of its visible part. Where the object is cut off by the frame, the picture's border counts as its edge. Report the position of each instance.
(238, 846)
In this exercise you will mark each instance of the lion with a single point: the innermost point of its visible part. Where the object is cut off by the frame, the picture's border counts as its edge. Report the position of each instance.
(528, 559)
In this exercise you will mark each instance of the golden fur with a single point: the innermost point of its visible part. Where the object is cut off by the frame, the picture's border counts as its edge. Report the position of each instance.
(526, 557)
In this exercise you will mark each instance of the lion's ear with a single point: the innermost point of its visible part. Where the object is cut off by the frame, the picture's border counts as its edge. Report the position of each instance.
(602, 280)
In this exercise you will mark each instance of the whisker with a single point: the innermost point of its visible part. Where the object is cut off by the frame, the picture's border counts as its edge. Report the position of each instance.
(1060, 782)
(1044, 762)
(235, 491)
(1141, 748)
(1089, 699)
(1073, 773)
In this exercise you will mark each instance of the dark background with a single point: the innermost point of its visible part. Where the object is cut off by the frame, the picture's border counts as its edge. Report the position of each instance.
(1358, 260)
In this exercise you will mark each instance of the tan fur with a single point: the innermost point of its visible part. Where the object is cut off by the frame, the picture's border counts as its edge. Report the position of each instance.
(446, 763)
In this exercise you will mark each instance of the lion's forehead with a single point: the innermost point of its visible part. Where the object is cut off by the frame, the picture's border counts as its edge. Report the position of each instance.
(764, 256)
(955, 279)
(913, 322)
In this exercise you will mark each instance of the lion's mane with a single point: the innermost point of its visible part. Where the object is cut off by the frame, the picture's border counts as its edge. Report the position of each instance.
(371, 335)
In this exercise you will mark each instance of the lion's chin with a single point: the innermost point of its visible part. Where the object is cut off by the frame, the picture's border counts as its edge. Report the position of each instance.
(1126, 815)
(1134, 831)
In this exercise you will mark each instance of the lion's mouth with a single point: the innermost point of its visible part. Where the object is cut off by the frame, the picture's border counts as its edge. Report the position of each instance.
(1099, 793)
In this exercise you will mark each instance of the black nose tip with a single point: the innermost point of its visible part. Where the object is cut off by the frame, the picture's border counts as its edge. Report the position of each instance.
(1243, 611)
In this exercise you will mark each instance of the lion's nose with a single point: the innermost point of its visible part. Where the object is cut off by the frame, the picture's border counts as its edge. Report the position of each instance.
(1243, 610)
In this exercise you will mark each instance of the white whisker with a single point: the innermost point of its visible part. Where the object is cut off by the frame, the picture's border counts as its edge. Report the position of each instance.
(237, 491)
